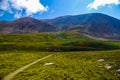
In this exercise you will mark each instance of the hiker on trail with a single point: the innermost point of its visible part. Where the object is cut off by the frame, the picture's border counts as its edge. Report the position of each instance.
(55, 49)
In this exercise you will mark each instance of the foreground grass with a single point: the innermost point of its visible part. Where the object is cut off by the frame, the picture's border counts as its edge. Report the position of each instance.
(75, 66)
(10, 61)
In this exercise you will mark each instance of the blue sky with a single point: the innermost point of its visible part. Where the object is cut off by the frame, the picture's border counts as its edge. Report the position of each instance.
(45, 9)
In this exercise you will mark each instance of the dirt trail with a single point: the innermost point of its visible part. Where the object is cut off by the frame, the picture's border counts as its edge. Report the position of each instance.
(11, 75)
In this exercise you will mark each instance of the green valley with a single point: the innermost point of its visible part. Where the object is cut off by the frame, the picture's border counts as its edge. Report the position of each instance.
(75, 56)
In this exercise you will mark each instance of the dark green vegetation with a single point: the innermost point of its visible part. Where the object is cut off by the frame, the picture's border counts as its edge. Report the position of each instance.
(65, 41)
(78, 58)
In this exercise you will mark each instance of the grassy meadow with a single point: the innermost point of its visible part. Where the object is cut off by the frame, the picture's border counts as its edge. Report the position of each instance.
(76, 57)
(75, 66)
(10, 61)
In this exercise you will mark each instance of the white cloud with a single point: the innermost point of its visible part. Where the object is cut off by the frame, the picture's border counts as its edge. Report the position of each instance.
(97, 3)
(29, 6)
(18, 14)
(4, 5)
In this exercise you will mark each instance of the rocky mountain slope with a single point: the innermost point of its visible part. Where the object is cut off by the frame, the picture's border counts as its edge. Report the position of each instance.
(94, 24)
(25, 25)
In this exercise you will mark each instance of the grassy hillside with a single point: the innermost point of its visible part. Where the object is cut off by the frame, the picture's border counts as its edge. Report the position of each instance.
(65, 41)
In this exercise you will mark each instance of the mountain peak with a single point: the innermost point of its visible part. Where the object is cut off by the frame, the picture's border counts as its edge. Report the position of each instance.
(26, 25)
(25, 19)
(93, 24)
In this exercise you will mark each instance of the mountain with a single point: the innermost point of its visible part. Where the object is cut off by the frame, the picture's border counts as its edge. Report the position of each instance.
(25, 25)
(94, 24)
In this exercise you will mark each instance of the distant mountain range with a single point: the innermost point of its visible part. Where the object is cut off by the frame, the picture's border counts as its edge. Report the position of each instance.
(26, 25)
(94, 25)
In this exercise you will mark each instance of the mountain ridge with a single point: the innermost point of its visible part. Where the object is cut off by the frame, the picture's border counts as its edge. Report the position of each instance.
(25, 25)
(91, 24)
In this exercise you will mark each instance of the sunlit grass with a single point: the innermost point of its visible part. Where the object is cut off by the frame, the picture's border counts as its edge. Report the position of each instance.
(75, 66)
(77, 59)
(10, 61)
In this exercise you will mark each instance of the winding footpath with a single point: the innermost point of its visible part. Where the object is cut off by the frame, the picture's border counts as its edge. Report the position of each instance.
(11, 75)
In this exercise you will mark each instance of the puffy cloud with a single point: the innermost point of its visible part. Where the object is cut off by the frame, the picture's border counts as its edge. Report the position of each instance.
(97, 3)
(18, 14)
(4, 5)
(29, 6)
